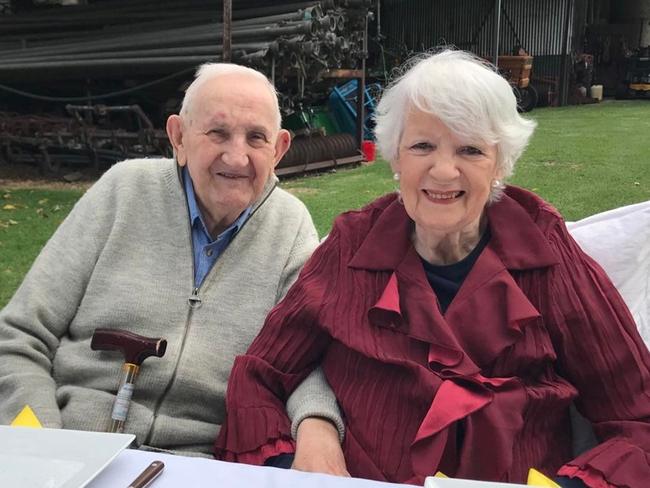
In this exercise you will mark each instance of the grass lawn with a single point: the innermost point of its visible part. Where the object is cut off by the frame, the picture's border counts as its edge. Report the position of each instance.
(590, 158)
(28, 217)
(583, 159)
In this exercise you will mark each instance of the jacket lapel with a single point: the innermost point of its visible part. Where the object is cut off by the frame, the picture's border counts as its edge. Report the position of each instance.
(489, 310)
(486, 315)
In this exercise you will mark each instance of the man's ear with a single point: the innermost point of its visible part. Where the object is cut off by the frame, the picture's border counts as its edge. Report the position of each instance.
(282, 144)
(175, 135)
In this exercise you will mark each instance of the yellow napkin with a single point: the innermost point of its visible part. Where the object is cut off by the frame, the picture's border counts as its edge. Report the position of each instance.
(535, 478)
(440, 474)
(26, 418)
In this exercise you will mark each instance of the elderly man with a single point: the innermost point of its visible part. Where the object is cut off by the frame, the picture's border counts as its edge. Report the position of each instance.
(196, 250)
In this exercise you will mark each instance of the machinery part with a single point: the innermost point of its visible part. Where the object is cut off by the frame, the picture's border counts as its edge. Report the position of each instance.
(88, 137)
(135, 349)
(636, 82)
(526, 98)
(318, 152)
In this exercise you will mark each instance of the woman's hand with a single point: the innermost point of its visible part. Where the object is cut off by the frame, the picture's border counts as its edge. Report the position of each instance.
(318, 449)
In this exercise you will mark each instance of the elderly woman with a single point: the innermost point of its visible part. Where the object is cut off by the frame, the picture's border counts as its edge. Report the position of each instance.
(457, 320)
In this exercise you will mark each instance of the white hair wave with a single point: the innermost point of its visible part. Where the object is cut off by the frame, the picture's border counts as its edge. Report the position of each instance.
(466, 93)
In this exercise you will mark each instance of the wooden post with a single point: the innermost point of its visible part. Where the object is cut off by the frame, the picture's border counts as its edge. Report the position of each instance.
(564, 61)
(361, 87)
(497, 31)
(227, 31)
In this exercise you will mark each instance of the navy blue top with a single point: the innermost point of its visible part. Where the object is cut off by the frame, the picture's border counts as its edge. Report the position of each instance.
(446, 280)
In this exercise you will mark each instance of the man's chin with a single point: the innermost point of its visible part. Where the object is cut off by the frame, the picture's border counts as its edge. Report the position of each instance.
(234, 206)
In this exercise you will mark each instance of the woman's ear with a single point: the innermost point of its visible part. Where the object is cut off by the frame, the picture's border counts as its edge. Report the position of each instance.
(175, 135)
(395, 166)
(499, 174)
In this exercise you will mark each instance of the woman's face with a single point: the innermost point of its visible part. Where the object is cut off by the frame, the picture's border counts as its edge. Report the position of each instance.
(445, 181)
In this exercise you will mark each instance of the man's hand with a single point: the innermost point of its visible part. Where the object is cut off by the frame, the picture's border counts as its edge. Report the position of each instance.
(318, 449)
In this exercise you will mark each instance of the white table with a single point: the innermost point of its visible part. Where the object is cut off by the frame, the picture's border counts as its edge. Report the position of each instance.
(191, 472)
(181, 471)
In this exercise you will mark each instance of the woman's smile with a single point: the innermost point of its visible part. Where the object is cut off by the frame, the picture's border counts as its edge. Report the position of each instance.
(443, 197)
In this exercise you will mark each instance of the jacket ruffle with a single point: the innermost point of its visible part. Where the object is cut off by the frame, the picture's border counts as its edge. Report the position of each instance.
(614, 457)
(491, 406)
(268, 429)
(267, 434)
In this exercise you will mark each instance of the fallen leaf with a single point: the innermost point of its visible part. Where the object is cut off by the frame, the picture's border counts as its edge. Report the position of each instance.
(12, 222)
(636, 183)
(6, 196)
(56, 208)
(9, 207)
(43, 201)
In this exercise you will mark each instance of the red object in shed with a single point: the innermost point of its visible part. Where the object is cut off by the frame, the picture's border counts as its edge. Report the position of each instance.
(368, 150)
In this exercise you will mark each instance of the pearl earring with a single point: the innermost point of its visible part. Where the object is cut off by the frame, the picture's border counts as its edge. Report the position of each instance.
(496, 183)
(396, 176)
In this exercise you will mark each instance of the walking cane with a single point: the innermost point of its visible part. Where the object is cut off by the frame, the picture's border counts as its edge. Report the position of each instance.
(135, 349)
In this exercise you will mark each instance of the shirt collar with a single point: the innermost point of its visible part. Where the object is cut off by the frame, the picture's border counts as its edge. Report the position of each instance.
(196, 218)
(515, 238)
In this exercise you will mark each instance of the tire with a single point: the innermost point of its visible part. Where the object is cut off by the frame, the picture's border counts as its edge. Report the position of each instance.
(526, 98)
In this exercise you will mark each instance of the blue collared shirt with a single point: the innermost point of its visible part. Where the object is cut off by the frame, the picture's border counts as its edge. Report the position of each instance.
(207, 250)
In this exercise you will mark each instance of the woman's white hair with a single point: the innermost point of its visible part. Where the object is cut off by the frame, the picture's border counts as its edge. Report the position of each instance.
(466, 93)
(210, 71)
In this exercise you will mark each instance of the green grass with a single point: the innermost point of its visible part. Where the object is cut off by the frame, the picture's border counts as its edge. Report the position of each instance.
(27, 220)
(584, 160)
(590, 158)
(329, 194)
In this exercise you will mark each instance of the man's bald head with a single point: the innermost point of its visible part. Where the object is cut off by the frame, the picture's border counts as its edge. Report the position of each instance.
(210, 71)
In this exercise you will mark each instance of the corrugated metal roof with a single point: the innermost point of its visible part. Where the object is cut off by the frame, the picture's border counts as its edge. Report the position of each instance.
(469, 24)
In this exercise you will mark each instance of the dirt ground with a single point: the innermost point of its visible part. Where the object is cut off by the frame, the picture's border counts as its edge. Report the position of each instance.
(26, 176)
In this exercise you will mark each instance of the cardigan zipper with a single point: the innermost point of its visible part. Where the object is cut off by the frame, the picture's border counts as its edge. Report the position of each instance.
(194, 301)
(174, 374)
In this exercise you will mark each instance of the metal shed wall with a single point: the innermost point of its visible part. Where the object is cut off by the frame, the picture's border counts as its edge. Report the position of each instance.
(535, 25)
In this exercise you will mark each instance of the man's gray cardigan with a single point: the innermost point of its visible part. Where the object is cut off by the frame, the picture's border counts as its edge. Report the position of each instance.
(123, 259)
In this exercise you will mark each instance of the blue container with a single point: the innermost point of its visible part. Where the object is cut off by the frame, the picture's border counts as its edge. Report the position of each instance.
(343, 106)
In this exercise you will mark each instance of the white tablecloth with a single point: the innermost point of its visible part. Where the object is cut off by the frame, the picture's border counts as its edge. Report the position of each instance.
(182, 472)
(619, 240)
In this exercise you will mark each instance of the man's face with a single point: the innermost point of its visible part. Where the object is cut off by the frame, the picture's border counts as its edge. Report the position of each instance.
(230, 143)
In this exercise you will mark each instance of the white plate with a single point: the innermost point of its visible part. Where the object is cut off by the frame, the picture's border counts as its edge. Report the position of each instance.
(55, 458)
(432, 482)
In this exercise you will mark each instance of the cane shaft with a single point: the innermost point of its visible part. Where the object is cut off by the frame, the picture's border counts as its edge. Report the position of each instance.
(123, 398)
